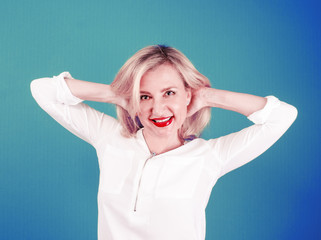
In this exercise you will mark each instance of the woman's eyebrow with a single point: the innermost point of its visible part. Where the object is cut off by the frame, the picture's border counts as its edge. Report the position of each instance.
(163, 90)
(144, 92)
(168, 88)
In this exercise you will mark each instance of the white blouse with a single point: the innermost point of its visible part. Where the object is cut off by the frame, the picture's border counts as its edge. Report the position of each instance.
(157, 197)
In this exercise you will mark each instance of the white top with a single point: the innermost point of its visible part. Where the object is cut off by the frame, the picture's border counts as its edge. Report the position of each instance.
(160, 197)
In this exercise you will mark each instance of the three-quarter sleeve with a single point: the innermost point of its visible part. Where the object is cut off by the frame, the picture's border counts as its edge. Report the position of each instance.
(54, 97)
(270, 123)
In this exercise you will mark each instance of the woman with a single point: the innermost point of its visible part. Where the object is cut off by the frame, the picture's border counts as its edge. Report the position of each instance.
(156, 174)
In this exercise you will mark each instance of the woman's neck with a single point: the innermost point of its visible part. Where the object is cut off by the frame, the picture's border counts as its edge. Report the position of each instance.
(160, 145)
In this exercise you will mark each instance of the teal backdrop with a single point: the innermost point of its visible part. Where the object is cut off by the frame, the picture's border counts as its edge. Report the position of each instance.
(49, 177)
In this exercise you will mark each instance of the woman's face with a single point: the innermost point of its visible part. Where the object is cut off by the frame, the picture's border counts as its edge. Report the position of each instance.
(163, 102)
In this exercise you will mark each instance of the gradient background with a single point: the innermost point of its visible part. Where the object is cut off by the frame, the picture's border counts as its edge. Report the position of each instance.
(49, 177)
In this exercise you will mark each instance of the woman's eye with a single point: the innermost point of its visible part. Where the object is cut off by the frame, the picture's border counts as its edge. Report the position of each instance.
(144, 97)
(169, 93)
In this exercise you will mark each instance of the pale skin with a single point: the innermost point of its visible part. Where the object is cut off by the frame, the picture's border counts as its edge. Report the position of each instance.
(163, 95)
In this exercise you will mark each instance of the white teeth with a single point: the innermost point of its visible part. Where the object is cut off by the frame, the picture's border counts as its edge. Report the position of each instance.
(164, 120)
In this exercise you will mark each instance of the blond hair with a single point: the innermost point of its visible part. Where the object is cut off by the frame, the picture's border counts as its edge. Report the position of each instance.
(127, 84)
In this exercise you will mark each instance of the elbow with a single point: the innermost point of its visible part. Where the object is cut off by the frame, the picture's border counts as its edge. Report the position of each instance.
(289, 113)
(34, 86)
(293, 113)
(41, 90)
(283, 116)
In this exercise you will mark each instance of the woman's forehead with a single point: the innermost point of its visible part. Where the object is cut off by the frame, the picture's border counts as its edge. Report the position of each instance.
(164, 76)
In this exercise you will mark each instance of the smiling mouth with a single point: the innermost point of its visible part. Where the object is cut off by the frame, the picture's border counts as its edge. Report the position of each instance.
(162, 122)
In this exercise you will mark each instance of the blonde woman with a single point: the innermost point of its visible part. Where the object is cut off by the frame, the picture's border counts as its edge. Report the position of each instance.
(156, 174)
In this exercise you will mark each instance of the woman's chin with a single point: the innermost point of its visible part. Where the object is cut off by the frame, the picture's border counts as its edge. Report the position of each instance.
(161, 132)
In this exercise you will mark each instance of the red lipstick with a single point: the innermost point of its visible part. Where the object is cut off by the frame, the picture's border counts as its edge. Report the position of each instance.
(162, 122)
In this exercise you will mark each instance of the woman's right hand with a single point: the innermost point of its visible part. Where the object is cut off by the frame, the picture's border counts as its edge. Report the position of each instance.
(121, 101)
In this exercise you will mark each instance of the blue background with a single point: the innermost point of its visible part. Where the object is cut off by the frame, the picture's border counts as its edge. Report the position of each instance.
(49, 177)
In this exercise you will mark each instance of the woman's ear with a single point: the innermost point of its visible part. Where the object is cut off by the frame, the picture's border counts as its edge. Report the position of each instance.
(189, 96)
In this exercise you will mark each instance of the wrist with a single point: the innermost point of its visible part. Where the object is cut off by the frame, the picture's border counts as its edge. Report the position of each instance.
(209, 97)
(112, 97)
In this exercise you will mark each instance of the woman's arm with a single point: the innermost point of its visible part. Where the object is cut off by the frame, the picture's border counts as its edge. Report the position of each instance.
(243, 103)
(91, 91)
(270, 123)
(271, 118)
(64, 103)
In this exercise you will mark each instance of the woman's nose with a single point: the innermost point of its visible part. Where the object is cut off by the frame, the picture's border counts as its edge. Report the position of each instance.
(158, 107)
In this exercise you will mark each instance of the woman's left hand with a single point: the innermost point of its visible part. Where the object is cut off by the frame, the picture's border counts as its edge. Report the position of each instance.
(198, 101)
